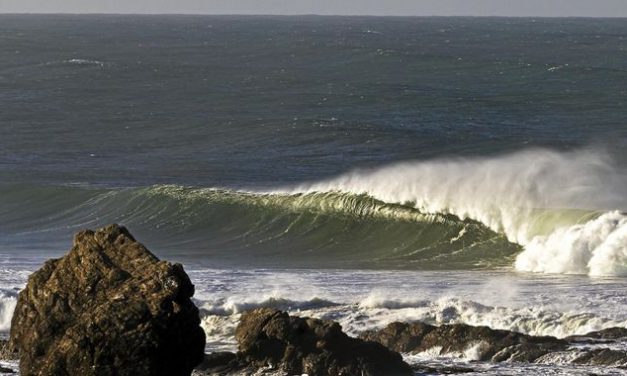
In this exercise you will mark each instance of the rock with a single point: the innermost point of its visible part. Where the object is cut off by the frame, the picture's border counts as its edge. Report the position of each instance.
(603, 357)
(108, 307)
(295, 345)
(218, 363)
(6, 351)
(6, 370)
(486, 343)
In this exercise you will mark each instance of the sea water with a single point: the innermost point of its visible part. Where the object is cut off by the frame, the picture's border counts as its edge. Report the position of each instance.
(359, 169)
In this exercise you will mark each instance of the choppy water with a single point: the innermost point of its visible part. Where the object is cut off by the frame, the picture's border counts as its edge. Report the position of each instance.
(275, 156)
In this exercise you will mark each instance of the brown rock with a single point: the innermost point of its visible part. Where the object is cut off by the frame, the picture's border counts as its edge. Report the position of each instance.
(316, 347)
(495, 345)
(108, 307)
(603, 357)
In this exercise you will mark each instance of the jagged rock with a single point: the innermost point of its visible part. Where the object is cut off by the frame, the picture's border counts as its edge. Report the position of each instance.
(298, 345)
(108, 307)
(489, 344)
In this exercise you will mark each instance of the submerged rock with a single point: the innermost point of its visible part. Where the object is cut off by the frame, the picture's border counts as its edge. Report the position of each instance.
(108, 307)
(477, 342)
(296, 345)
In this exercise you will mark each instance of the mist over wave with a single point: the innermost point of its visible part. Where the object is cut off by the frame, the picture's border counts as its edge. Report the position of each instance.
(541, 199)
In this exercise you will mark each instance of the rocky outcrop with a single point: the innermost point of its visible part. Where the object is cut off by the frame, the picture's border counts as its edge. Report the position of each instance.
(485, 343)
(602, 357)
(297, 345)
(109, 307)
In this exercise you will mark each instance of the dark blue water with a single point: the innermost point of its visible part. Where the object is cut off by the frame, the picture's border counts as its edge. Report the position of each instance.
(241, 101)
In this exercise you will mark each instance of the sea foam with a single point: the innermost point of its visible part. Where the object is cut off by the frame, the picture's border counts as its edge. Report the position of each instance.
(563, 207)
(7, 306)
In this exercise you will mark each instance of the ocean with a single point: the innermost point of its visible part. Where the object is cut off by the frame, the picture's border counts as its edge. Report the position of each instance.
(360, 169)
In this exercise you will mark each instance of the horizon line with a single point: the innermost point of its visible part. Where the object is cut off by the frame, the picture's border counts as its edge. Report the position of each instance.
(296, 15)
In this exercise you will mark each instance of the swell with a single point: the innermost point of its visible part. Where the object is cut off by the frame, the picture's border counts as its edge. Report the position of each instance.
(321, 229)
(539, 210)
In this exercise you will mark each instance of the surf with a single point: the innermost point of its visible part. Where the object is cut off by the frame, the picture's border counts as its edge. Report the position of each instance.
(565, 208)
(536, 211)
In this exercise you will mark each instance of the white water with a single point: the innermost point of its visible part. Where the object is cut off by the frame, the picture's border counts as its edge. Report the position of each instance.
(7, 305)
(360, 300)
(559, 305)
(507, 192)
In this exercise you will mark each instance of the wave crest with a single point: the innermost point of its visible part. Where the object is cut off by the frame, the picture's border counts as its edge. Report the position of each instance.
(516, 195)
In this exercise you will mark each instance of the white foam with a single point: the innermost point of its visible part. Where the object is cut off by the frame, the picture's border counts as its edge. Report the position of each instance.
(598, 248)
(85, 62)
(237, 305)
(7, 306)
(506, 192)
(535, 321)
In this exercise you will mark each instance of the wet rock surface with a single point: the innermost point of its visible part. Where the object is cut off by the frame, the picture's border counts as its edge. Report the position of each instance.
(109, 307)
(603, 357)
(485, 343)
(271, 340)
(315, 347)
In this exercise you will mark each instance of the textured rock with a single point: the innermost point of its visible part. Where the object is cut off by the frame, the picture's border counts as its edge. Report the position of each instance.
(6, 351)
(603, 357)
(488, 344)
(109, 307)
(298, 345)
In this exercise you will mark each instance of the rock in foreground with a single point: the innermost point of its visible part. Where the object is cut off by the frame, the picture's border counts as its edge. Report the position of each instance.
(316, 347)
(109, 307)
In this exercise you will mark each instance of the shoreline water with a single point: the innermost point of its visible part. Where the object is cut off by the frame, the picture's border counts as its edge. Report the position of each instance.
(528, 303)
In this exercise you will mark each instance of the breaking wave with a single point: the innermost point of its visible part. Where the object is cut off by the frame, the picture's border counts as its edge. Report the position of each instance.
(540, 211)
(517, 195)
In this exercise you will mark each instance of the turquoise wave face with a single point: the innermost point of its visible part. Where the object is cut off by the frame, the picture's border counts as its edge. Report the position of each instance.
(325, 229)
